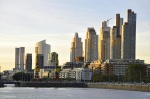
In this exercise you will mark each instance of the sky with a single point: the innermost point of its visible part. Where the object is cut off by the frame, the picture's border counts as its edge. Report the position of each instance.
(26, 22)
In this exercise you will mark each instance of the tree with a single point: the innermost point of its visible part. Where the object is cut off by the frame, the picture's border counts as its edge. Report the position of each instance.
(135, 73)
(21, 76)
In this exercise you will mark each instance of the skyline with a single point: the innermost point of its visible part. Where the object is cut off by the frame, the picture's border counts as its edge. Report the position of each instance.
(50, 19)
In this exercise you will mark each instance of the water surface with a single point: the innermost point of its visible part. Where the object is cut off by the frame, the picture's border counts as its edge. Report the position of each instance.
(69, 93)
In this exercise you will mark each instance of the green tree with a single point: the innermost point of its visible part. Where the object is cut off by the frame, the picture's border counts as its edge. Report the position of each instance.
(21, 76)
(135, 73)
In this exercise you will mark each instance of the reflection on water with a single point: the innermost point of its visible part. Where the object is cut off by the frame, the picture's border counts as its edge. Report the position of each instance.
(69, 93)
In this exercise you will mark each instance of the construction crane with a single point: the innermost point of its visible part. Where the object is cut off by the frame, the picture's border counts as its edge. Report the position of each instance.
(108, 21)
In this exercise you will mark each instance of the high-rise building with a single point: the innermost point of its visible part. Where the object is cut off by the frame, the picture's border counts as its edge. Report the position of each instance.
(128, 39)
(76, 48)
(91, 45)
(39, 60)
(115, 41)
(44, 49)
(22, 56)
(104, 42)
(28, 65)
(54, 59)
(19, 58)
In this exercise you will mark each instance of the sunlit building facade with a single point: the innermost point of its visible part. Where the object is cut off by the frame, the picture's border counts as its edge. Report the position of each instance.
(104, 42)
(76, 48)
(91, 45)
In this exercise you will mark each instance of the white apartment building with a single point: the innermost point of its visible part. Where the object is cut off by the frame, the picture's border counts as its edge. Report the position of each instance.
(76, 73)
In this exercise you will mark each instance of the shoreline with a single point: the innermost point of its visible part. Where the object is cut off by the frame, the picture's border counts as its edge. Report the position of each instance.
(131, 87)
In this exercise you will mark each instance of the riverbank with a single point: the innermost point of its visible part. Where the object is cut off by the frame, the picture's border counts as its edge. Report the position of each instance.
(52, 84)
(132, 87)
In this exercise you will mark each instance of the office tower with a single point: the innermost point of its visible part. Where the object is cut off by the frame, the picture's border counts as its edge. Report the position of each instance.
(44, 49)
(128, 39)
(91, 45)
(17, 56)
(104, 42)
(54, 59)
(115, 41)
(76, 48)
(28, 65)
(39, 60)
(22, 55)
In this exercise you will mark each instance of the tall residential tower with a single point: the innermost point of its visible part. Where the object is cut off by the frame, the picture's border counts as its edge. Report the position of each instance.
(19, 58)
(128, 39)
(76, 48)
(104, 42)
(91, 45)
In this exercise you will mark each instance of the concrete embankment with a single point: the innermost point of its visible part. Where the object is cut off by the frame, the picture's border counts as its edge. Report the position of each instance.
(52, 84)
(132, 87)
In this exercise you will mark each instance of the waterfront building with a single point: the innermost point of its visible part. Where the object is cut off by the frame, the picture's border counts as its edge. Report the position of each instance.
(117, 66)
(54, 59)
(128, 39)
(76, 74)
(48, 72)
(148, 69)
(44, 49)
(91, 45)
(19, 58)
(28, 65)
(104, 42)
(95, 66)
(71, 65)
(76, 48)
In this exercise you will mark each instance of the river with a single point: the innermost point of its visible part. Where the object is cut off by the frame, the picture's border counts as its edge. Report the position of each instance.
(69, 93)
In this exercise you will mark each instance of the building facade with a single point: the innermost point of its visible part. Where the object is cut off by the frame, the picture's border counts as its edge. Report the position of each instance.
(39, 60)
(28, 65)
(54, 59)
(129, 36)
(115, 44)
(118, 66)
(19, 58)
(104, 42)
(91, 45)
(76, 48)
(44, 49)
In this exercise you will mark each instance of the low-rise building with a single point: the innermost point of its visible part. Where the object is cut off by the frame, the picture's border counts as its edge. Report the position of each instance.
(76, 73)
(117, 66)
(148, 69)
